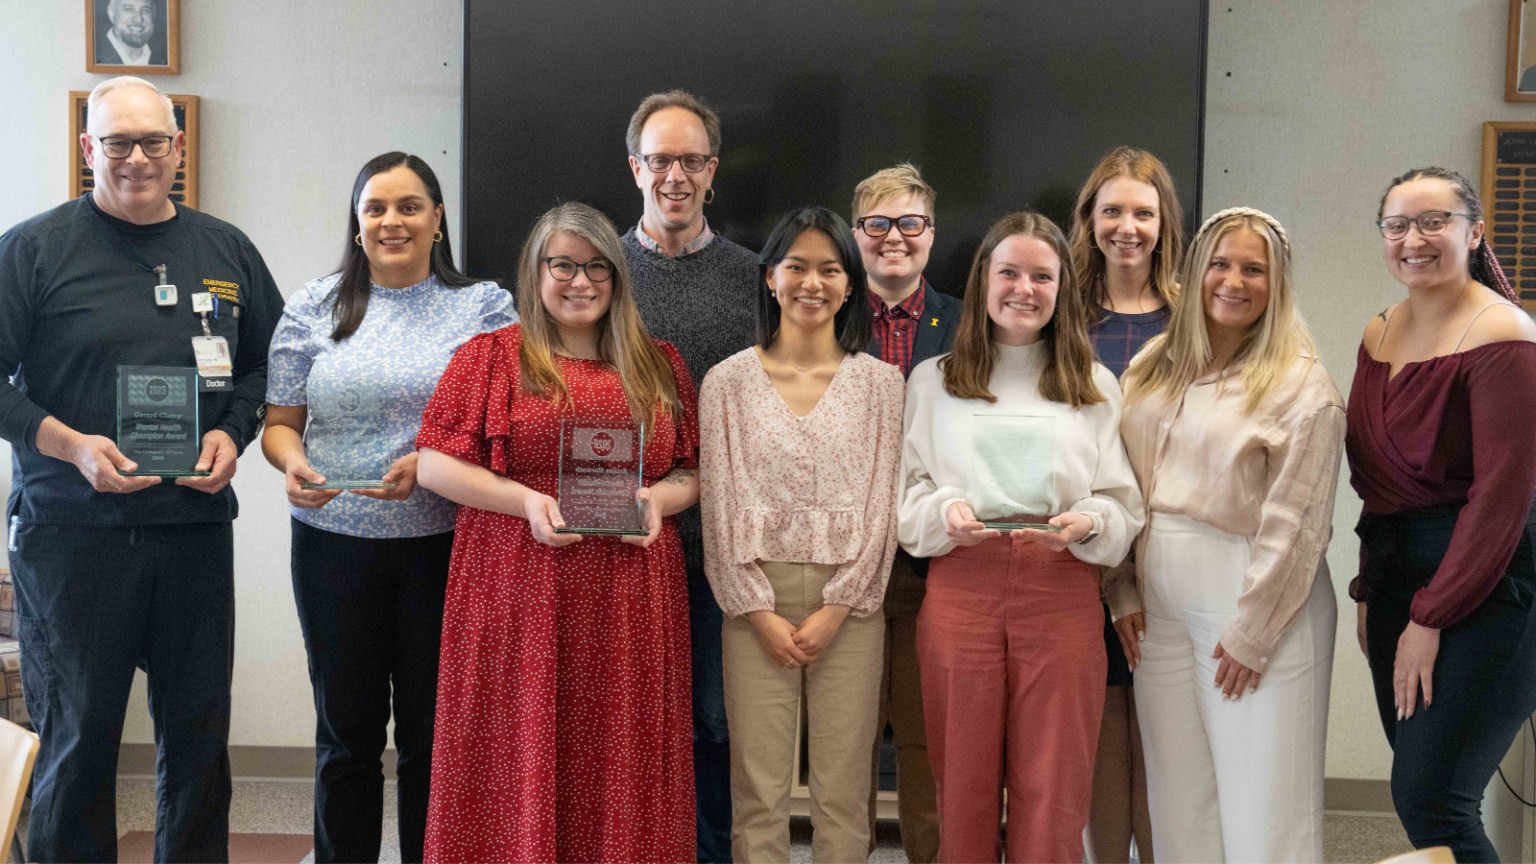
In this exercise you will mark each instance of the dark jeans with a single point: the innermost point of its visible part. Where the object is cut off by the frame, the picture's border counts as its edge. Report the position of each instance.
(711, 737)
(372, 615)
(1484, 680)
(93, 604)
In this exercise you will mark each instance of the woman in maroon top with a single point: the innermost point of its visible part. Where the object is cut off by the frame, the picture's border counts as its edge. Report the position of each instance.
(1440, 449)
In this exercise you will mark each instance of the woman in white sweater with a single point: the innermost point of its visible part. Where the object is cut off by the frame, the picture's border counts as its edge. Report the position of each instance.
(1017, 426)
(800, 439)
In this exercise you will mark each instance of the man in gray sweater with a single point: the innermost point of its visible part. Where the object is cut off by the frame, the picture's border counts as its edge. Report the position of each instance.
(695, 289)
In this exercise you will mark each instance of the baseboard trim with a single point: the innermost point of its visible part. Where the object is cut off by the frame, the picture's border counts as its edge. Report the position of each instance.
(1340, 794)
(263, 763)
(1358, 796)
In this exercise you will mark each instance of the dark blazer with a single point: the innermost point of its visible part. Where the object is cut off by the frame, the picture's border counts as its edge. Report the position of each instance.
(936, 332)
(935, 336)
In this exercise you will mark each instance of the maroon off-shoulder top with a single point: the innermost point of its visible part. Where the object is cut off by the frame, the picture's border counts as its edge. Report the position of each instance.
(1450, 429)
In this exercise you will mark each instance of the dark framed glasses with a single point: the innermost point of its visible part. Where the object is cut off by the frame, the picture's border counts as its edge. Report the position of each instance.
(121, 147)
(1429, 222)
(661, 163)
(564, 269)
(910, 225)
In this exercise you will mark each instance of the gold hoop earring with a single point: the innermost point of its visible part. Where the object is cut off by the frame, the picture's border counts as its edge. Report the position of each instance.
(358, 239)
(437, 237)
(709, 195)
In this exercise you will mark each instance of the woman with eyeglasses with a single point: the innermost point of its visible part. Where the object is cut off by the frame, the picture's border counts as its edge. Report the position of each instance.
(353, 362)
(564, 716)
(801, 438)
(1440, 449)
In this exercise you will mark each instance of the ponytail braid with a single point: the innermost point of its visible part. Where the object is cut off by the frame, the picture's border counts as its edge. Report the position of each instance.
(1484, 267)
(1481, 264)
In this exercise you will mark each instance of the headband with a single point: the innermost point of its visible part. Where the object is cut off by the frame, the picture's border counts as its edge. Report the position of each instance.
(1269, 220)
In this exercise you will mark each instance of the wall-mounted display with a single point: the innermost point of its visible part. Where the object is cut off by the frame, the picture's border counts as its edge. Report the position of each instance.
(1520, 53)
(133, 37)
(1509, 202)
(82, 179)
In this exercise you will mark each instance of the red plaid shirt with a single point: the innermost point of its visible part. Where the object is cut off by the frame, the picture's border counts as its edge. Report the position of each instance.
(896, 327)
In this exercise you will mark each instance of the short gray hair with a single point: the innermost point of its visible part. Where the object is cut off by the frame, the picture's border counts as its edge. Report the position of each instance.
(673, 99)
(119, 82)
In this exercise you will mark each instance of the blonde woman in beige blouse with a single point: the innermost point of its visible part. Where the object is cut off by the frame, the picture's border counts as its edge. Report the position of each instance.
(800, 442)
(1235, 431)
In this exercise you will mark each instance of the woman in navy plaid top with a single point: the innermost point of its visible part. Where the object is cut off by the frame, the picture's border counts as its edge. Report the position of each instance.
(1127, 240)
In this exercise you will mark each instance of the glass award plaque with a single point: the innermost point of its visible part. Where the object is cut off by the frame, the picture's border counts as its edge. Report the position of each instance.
(600, 470)
(346, 440)
(157, 420)
(1014, 461)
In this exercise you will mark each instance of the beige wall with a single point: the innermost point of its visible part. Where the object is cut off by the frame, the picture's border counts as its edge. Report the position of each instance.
(1325, 101)
(1312, 106)
(295, 97)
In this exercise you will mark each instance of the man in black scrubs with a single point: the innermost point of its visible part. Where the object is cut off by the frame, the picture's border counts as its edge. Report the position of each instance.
(114, 572)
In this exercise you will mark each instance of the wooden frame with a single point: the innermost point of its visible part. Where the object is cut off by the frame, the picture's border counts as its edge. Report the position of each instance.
(168, 20)
(185, 189)
(1514, 67)
(1508, 184)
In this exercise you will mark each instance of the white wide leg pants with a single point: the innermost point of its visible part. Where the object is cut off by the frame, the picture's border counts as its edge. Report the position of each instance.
(1227, 781)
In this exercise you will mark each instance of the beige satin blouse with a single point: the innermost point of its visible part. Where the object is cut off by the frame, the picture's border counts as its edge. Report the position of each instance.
(1269, 475)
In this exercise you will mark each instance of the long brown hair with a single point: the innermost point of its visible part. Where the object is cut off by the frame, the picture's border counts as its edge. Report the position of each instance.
(622, 340)
(352, 290)
(1068, 375)
(1088, 260)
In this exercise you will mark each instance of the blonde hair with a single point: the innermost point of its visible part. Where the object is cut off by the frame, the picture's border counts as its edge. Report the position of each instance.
(622, 340)
(121, 81)
(1269, 350)
(1068, 374)
(903, 179)
(1088, 258)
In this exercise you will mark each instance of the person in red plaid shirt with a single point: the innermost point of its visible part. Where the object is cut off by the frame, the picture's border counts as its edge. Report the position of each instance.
(893, 224)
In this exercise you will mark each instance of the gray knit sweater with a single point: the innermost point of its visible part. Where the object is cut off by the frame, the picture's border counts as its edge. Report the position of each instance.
(703, 303)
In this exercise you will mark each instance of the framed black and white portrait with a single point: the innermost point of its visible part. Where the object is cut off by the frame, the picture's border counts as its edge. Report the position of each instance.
(133, 37)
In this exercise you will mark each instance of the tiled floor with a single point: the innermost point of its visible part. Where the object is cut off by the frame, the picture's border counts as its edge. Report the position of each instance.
(281, 809)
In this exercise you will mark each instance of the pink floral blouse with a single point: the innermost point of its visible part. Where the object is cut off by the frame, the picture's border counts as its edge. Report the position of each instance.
(817, 489)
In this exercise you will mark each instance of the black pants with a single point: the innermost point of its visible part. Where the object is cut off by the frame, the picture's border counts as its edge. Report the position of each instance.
(92, 604)
(711, 734)
(372, 615)
(1484, 680)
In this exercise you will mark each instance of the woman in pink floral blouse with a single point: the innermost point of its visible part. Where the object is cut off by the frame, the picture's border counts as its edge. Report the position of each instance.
(801, 443)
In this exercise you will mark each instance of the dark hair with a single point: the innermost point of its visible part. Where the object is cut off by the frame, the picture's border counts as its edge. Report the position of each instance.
(852, 321)
(351, 302)
(672, 99)
(1482, 265)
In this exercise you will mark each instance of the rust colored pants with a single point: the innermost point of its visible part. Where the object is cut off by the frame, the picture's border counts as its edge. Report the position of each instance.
(1011, 646)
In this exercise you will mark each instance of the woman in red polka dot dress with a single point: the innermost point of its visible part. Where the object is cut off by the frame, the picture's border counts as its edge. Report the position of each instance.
(564, 728)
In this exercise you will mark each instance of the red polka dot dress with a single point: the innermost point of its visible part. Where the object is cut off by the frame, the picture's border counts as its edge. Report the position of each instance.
(564, 726)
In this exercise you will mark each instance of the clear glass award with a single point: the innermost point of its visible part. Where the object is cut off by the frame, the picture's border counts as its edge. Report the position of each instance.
(600, 470)
(346, 440)
(1014, 463)
(157, 420)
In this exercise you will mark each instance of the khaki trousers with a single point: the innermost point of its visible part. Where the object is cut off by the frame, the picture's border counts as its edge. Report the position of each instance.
(901, 705)
(841, 691)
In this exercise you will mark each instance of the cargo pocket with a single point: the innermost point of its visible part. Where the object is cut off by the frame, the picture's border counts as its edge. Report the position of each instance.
(36, 671)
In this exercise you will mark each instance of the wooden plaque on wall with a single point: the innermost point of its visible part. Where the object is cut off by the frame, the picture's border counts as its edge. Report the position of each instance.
(1509, 202)
(81, 181)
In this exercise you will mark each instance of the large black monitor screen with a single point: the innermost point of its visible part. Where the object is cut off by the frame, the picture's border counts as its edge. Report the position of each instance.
(1003, 104)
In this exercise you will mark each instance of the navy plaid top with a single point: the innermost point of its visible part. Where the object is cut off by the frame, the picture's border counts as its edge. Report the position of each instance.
(1119, 335)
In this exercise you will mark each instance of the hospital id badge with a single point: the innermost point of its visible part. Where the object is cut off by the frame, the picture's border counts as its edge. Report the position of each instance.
(215, 370)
